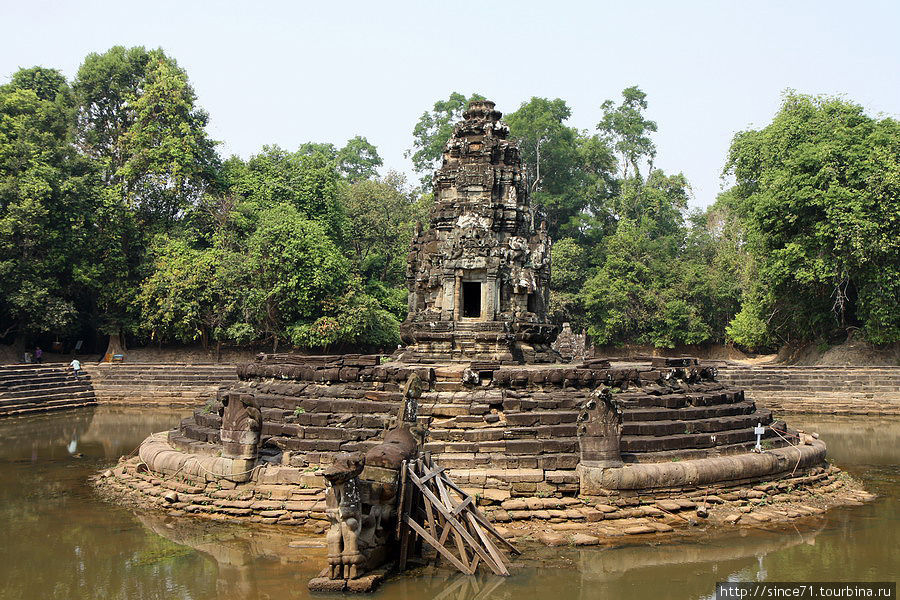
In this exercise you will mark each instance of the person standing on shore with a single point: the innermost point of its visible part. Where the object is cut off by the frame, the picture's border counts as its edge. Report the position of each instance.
(38, 355)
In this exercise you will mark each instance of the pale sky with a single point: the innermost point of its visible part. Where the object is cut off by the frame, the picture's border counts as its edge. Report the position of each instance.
(291, 72)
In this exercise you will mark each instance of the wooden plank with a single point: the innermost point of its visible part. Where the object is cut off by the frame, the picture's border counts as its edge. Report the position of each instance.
(483, 520)
(462, 506)
(405, 508)
(429, 513)
(458, 527)
(457, 535)
(440, 515)
(432, 473)
(488, 543)
(402, 508)
(444, 552)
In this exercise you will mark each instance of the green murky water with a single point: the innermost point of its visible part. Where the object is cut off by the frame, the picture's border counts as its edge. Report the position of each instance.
(60, 541)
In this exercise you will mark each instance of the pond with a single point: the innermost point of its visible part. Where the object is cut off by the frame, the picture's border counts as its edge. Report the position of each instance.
(61, 541)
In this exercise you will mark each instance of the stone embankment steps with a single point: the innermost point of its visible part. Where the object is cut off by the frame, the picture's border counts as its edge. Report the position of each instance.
(26, 389)
(819, 389)
(159, 385)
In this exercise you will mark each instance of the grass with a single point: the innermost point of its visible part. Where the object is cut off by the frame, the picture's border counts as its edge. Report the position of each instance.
(161, 550)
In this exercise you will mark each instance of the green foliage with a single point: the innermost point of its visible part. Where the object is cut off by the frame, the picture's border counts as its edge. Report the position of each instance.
(47, 193)
(569, 172)
(382, 215)
(117, 216)
(105, 86)
(170, 161)
(188, 293)
(818, 195)
(293, 271)
(638, 293)
(356, 161)
(570, 270)
(628, 130)
(308, 181)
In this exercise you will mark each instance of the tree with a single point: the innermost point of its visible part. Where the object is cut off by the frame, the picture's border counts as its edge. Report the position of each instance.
(382, 214)
(170, 159)
(294, 270)
(178, 298)
(433, 130)
(105, 87)
(570, 270)
(358, 160)
(625, 126)
(309, 182)
(818, 194)
(47, 199)
(570, 172)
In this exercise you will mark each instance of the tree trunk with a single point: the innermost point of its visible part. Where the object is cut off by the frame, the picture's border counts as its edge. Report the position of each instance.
(113, 347)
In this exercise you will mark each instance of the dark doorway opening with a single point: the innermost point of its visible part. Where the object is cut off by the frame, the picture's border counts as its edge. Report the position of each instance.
(532, 302)
(471, 300)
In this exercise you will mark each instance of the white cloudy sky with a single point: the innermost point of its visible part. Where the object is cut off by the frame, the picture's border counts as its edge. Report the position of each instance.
(290, 72)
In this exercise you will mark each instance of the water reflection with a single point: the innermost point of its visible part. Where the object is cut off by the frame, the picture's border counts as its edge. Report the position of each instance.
(61, 541)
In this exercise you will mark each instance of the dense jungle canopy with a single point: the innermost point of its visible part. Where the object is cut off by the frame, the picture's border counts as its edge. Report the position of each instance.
(117, 215)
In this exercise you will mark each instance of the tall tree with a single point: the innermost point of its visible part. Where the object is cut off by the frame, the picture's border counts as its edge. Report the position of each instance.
(382, 214)
(818, 193)
(106, 86)
(170, 159)
(568, 171)
(358, 160)
(629, 130)
(48, 194)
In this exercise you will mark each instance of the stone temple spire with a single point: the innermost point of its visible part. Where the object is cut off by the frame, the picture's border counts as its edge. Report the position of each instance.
(478, 276)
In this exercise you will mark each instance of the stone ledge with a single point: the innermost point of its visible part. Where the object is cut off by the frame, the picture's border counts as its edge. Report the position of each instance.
(770, 463)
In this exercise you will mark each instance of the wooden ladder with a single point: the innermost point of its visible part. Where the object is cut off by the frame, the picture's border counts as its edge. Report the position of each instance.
(436, 510)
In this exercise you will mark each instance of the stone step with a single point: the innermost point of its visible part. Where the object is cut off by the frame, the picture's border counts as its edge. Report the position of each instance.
(689, 413)
(44, 408)
(68, 388)
(42, 385)
(640, 400)
(667, 428)
(163, 393)
(695, 453)
(29, 379)
(652, 443)
(822, 385)
(163, 370)
(45, 398)
(46, 401)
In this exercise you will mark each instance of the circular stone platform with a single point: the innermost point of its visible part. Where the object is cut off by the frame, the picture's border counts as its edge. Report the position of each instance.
(516, 438)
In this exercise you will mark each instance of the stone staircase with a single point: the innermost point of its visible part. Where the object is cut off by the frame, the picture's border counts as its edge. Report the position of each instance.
(26, 389)
(159, 384)
(827, 389)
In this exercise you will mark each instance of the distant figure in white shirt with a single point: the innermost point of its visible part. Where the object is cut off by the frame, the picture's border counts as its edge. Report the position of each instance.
(76, 367)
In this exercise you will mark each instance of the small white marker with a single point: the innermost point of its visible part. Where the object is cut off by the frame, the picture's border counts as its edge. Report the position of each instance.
(759, 430)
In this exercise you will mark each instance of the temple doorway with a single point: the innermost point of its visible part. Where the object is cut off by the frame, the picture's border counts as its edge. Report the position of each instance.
(471, 299)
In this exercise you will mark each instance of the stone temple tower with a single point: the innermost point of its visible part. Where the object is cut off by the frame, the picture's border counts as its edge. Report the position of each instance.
(478, 277)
